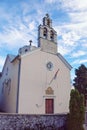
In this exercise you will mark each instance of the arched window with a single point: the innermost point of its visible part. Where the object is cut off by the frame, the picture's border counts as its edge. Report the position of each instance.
(45, 32)
(51, 35)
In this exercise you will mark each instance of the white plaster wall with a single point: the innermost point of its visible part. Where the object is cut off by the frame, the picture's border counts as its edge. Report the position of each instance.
(8, 101)
(34, 80)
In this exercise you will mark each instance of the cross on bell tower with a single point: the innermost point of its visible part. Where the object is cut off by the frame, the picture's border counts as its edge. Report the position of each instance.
(47, 36)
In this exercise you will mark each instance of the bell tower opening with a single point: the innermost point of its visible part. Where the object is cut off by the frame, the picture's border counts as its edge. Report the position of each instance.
(48, 22)
(47, 36)
(45, 32)
(51, 35)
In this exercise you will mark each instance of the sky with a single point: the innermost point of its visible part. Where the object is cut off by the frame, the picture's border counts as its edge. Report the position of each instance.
(19, 21)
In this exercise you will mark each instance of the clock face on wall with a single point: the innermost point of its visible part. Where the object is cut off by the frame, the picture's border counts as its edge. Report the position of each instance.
(49, 65)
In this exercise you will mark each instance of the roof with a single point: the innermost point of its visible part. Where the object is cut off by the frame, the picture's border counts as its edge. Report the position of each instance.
(64, 61)
(11, 57)
(58, 54)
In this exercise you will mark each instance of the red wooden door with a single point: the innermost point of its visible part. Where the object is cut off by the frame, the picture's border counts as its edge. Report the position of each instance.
(49, 106)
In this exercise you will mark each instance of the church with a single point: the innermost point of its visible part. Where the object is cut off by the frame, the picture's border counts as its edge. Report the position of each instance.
(37, 79)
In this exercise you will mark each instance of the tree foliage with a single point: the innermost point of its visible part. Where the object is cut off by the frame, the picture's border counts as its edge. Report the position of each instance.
(80, 81)
(77, 111)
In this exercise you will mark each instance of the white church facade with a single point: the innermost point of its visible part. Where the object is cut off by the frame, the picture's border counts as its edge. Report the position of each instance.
(37, 80)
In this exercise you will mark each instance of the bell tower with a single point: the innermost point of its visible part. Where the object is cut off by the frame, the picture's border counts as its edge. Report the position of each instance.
(47, 36)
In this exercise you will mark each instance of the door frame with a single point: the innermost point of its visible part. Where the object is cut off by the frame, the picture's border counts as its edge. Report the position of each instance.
(49, 102)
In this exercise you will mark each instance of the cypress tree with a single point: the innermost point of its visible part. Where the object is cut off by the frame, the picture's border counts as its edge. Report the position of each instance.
(77, 111)
(80, 80)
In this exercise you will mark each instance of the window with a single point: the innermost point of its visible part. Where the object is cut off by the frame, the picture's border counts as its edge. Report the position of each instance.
(49, 106)
(7, 71)
(51, 35)
(6, 86)
(45, 33)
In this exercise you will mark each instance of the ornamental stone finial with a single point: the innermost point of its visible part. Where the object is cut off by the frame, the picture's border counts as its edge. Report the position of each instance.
(47, 15)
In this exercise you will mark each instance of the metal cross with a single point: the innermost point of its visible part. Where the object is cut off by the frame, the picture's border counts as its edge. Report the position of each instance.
(30, 42)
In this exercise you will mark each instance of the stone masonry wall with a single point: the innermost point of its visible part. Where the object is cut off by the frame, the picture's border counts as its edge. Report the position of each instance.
(32, 122)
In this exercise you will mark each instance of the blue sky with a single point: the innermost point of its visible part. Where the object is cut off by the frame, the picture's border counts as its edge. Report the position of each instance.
(19, 20)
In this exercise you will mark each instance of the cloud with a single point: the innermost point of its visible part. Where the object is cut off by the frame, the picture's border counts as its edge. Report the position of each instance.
(84, 43)
(78, 16)
(72, 33)
(74, 5)
(15, 38)
(82, 61)
(64, 50)
(67, 38)
(79, 61)
(17, 33)
(50, 1)
(32, 25)
(2, 60)
(11, 37)
(70, 38)
(78, 53)
(68, 5)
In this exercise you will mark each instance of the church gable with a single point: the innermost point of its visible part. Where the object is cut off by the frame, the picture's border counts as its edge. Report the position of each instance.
(8, 61)
(45, 76)
(64, 61)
